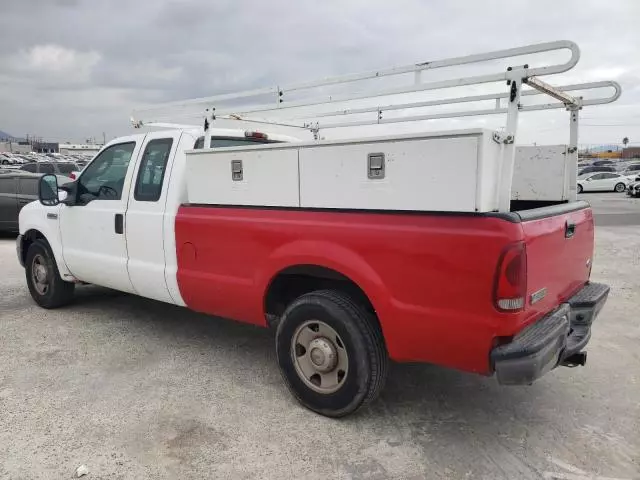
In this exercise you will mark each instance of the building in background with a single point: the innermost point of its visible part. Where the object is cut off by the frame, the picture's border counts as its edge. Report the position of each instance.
(76, 148)
(45, 147)
(631, 152)
(15, 146)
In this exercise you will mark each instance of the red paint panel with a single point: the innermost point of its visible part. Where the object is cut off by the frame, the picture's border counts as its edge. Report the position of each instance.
(429, 277)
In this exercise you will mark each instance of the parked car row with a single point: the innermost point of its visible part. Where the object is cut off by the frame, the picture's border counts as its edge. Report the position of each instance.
(624, 168)
(17, 159)
(19, 175)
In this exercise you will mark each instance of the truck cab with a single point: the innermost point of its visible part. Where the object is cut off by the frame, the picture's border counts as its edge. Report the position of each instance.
(115, 226)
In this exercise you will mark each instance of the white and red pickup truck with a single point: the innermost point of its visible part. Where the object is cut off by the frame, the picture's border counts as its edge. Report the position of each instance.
(356, 252)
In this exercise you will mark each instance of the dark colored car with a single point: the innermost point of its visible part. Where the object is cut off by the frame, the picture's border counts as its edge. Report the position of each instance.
(596, 169)
(17, 188)
(58, 168)
(631, 169)
(601, 163)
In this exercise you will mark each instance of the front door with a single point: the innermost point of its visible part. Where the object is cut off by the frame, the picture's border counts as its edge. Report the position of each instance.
(93, 241)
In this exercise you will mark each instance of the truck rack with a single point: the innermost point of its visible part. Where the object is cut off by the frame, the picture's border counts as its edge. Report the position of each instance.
(306, 108)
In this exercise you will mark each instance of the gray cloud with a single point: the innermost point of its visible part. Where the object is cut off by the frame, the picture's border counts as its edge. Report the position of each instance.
(74, 68)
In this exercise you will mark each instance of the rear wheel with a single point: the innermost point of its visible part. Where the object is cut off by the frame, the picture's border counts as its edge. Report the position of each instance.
(620, 187)
(579, 188)
(331, 353)
(43, 279)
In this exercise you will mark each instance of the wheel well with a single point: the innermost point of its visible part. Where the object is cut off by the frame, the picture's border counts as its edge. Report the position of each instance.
(295, 281)
(27, 239)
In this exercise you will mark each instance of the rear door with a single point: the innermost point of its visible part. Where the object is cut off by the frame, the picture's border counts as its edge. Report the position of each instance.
(146, 211)
(559, 245)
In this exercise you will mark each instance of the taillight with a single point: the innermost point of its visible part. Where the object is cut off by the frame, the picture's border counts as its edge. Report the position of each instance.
(510, 290)
(72, 176)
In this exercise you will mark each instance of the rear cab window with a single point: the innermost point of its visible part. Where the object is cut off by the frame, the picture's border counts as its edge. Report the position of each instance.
(222, 142)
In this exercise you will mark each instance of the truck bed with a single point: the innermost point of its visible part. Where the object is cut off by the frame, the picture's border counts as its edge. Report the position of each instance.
(429, 276)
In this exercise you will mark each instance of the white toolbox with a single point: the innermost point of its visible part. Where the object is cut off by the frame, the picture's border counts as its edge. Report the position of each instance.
(541, 173)
(451, 172)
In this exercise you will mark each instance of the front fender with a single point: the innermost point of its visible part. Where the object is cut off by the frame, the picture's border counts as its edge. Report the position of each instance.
(36, 217)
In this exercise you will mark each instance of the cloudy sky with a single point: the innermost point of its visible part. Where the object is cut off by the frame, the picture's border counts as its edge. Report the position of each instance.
(72, 69)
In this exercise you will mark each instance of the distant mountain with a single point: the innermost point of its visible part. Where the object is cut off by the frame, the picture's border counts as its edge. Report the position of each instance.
(4, 135)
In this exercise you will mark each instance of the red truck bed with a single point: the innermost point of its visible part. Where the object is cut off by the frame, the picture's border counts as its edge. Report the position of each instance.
(431, 278)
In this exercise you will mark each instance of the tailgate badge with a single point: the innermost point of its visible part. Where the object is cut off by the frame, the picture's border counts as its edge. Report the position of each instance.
(537, 296)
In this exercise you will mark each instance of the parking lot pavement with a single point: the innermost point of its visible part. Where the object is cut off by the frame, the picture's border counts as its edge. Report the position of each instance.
(133, 388)
(613, 209)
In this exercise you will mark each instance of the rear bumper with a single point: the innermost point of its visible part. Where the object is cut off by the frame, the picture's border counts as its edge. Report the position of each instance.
(557, 339)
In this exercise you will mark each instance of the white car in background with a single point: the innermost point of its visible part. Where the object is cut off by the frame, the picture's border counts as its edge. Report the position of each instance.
(603, 182)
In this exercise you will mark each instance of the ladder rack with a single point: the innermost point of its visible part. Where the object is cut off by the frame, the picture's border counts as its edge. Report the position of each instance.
(306, 109)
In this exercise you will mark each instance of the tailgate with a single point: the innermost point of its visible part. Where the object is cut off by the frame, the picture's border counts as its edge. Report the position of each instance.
(559, 242)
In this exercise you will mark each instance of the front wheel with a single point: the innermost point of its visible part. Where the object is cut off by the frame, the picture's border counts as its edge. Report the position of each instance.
(43, 278)
(331, 353)
(579, 188)
(620, 187)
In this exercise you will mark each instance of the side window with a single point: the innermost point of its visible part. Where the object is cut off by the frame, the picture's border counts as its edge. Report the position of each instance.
(31, 167)
(597, 176)
(7, 186)
(609, 175)
(28, 186)
(152, 168)
(103, 179)
(45, 167)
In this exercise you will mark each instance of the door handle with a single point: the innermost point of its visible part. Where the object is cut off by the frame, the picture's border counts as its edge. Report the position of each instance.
(569, 229)
(119, 223)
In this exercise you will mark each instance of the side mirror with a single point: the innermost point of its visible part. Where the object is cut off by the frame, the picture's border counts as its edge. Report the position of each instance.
(48, 190)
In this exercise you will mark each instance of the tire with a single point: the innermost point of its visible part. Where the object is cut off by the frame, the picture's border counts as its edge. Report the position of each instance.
(579, 188)
(43, 278)
(620, 187)
(361, 341)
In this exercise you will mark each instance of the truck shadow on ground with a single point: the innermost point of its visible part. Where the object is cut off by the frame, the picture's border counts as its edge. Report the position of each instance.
(431, 390)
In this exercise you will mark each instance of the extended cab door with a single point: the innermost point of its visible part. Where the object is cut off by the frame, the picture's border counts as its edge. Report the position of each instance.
(146, 212)
(94, 246)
